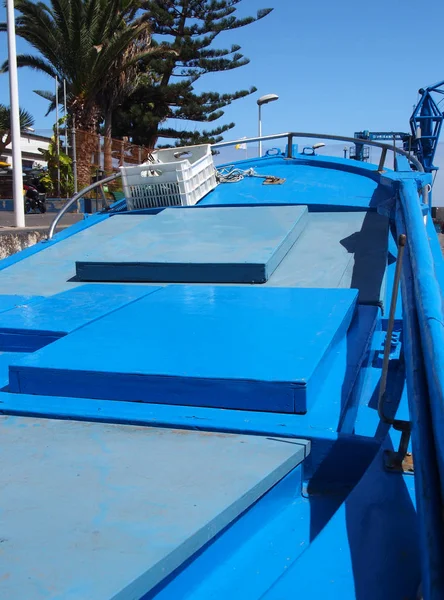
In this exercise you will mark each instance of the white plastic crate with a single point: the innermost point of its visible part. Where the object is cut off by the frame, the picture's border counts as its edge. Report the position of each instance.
(178, 177)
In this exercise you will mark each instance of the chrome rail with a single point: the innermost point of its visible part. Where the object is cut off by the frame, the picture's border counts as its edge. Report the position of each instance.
(278, 136)
(326, 136)
(76, 197)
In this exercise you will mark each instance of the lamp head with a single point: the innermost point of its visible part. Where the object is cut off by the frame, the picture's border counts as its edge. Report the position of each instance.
(267, 98)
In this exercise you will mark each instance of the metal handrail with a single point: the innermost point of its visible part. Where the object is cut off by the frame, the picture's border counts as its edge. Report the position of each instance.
(326, 136)
(277, 136)
(89, 188)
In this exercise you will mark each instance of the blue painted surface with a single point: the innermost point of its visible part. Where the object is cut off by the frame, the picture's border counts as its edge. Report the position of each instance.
(363, 550)
(113, 535)
(222, 245)
(344, 250)
(6, 358)
(363, 329)
(9, 301)
(58, 237)
(231, 347)
(341, 538)
(339, 245)
(49, 268)
(322, 420)
(267, 540)
(430, 311)
(31, 326)
(426, 473)
(316, 181)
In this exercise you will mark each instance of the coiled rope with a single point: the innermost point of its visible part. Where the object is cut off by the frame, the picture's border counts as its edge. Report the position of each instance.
(232, 174)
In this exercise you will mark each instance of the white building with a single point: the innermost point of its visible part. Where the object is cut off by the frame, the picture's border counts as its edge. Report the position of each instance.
(30, 144)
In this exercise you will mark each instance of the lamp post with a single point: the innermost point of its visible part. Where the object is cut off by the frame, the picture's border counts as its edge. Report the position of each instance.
(264, 100)
(17, 173)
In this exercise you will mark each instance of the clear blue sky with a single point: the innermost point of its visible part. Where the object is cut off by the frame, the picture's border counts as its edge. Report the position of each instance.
(337, 66)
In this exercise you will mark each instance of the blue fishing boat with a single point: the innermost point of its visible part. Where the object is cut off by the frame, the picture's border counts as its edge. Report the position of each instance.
(234, 395)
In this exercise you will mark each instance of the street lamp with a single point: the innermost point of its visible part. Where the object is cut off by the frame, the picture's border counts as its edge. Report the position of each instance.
(264, 100)
(17, 173)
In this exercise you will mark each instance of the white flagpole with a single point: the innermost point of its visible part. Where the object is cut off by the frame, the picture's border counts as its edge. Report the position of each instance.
(17, 173)
(66, 116)
(66, 128)
(57, 133)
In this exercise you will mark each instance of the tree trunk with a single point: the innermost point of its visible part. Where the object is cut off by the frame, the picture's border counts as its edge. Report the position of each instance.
(86, 142)
(108, 157)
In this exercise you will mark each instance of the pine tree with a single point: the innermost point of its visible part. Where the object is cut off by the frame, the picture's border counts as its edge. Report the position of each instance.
(189, 29)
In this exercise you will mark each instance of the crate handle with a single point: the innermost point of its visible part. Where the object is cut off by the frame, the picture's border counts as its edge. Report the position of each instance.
(151, 172)
(183, 154)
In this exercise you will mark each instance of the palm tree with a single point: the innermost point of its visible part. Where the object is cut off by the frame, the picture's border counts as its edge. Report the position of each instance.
(125, 81)
(26, 122)
(83, 42)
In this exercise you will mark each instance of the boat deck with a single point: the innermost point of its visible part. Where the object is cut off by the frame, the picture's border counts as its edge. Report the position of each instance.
(196, 413)
(334, 250)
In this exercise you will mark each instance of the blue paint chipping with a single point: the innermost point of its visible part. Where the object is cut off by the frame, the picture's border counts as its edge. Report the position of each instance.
(222, 245)
(232, 347)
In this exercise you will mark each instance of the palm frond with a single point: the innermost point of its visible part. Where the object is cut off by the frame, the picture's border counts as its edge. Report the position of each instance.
(26, 119)
(47, 95)
(34, 62)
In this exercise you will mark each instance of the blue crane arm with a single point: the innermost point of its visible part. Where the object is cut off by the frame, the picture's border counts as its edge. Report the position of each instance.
(425, 124)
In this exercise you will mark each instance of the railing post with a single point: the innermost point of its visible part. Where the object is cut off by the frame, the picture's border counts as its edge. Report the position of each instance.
(382, 160)
(74, 155)
(290, 146)
(425, 198)
(394, 154)
(103, 195)
(99, 152)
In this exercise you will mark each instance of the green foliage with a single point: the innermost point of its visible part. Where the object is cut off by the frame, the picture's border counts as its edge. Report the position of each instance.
(57, 161)
(26, 119)
(190, 28)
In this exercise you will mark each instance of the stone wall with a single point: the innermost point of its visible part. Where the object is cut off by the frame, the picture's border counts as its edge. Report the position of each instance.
(14, 241)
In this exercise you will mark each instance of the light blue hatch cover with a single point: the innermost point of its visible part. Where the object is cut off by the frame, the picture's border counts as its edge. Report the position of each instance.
(254, 348)
(200, 245)
(93, 511)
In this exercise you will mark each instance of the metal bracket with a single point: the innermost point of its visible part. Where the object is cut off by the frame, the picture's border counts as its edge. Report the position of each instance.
(392, 463)
(271, 180)
(400, 461)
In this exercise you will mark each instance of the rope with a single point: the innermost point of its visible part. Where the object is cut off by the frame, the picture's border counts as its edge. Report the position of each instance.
(232, 174)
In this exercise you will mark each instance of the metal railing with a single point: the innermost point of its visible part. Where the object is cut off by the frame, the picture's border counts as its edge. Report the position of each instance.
(97, 184)
(288, 136)
(326, 136)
